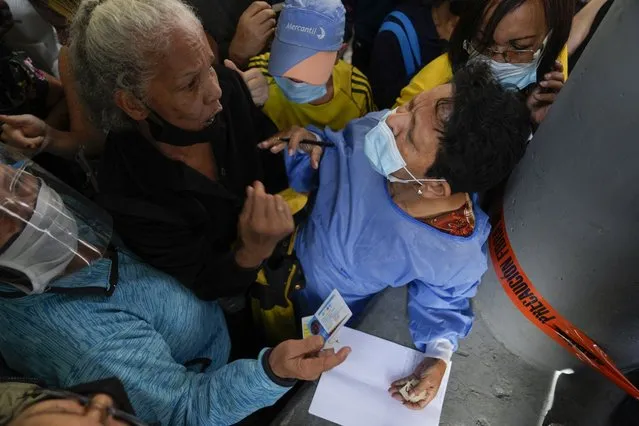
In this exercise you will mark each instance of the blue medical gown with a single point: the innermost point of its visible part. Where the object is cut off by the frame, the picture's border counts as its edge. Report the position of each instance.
(357, 240)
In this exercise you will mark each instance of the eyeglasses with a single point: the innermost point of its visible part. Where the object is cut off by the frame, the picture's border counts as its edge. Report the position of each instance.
(512, 56)
(48, 394)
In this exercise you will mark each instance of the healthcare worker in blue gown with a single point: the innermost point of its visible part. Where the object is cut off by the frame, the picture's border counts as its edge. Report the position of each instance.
(396, 205)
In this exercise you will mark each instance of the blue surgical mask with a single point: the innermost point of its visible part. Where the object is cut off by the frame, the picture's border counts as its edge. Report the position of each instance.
(381, 150)
(507, 74)
(515, 75)
(300, 93)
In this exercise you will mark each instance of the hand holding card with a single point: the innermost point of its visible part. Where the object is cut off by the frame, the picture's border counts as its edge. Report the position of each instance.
(328, 320)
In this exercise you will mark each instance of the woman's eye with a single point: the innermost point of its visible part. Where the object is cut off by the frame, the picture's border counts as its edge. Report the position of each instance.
(519, 47)
(192, 84)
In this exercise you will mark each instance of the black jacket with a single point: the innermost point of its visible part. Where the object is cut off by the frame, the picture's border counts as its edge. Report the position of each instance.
(175, 218)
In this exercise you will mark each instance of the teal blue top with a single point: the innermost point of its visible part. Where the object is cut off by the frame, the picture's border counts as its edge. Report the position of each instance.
(144, 334)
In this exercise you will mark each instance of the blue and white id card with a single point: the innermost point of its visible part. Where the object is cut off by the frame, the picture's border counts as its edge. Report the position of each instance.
(328, 320)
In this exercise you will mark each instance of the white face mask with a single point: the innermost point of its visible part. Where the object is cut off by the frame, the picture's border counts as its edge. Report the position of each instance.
(47, 243)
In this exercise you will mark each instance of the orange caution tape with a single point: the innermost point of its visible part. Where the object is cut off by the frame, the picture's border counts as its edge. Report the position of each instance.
(529, 301)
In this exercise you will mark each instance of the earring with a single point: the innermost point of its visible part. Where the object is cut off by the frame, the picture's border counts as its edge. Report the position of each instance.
(420, 192)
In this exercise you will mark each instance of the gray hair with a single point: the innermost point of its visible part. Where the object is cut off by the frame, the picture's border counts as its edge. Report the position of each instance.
(119, 45)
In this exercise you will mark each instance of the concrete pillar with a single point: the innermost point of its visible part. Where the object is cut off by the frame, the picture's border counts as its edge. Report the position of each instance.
(572, 207)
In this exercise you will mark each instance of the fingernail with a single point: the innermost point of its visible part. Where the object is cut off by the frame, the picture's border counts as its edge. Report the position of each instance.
(543, 83)
(290, 152)
(547, 76)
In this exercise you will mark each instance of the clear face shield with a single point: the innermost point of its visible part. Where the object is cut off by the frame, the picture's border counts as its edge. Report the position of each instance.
(47, 229)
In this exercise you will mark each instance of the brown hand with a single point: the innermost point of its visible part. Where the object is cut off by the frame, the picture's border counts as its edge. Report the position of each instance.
(296, 135)
(429, 373)
(304, 359)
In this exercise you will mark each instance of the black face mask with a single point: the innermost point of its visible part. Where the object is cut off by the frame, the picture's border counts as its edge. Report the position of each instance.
(112, 387)
(163, 131)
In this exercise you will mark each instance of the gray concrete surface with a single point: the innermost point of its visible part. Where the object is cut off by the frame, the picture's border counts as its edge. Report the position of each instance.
(488, 387)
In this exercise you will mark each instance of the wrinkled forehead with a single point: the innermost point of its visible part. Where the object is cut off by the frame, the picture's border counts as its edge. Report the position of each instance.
(187, 52)
(435, 101)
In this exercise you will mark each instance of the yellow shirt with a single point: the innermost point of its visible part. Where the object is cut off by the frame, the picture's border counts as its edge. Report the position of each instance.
(439, 71)
(352, 98)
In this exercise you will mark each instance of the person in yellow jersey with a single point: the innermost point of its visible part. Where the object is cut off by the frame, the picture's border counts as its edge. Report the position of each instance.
(523, 41)
(307, 82)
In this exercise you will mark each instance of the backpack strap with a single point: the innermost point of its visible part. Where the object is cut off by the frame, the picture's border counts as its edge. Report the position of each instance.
(407, 38)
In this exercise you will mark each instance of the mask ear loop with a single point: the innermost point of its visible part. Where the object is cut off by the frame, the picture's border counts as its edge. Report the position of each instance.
(419, 181)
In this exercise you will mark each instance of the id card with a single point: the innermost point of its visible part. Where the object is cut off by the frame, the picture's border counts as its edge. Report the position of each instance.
(328, 319)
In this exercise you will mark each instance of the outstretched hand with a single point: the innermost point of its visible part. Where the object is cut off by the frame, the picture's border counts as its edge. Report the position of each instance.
(295, 137)
(305, 359)
(24, 132)
(254, 80)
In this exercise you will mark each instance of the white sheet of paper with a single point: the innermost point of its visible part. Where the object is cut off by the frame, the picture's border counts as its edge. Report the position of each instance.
(356, 392)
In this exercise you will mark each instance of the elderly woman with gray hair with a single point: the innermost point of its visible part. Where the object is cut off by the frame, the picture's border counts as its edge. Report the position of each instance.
(181, 174)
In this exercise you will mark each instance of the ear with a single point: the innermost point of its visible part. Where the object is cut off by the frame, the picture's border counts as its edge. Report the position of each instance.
(450, 27)
(432, 190)
(131, 105)
(341, 52)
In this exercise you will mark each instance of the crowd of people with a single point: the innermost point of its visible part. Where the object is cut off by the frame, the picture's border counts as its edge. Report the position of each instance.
(174, 166)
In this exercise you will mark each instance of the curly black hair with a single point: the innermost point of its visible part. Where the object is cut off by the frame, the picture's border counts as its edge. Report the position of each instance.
(484, 136)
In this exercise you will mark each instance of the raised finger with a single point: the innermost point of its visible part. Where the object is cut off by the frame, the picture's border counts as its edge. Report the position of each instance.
(259, 201)
(267, 25)
(552, 85)
(247, 210)
(254, 83)
(15, 120)
(266, 32)
(298, 134)
(326, 352)
(279, 148)
(17, 139)
(271, 143)
(555, 75)
(231, 65)
(271, 212)
(305, 347)
(256, 7)
(283, 209)
(316, 156)
(314, 367)
(264, 15)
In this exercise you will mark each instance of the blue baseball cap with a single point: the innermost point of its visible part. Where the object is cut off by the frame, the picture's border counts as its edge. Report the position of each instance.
(309, 34)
